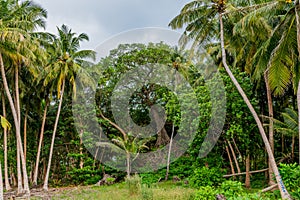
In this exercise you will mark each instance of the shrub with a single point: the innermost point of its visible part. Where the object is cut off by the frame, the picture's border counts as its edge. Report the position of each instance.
(206, 193)
(206, 177)
(232, 189)
(290, 174)
(150, 178)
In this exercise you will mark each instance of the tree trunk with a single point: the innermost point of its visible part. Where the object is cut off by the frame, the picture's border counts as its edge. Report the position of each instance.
(36, 169)
(293, 148)
(247, 181)
(80, 149)
(45, 187)
(162, 135)
(283, 191)
(297, 10)
(298, 104)
(17, 106)
(234, 157)
(282, 144)
(271, 125)
(13, 177)
(19, 171)
(7, 185)
(1, 183)
(230, 162)
(128, 164)
(25, 134)
(17, 125)
(169, 153)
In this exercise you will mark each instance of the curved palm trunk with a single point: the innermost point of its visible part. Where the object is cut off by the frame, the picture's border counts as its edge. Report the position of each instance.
(17, 126)
(7, 185)
(45, 187)
(36, 169)
(283, 191)
(271, 125)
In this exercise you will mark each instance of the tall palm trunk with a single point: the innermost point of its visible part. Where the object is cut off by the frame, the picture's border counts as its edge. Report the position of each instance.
(1, 183)
(297, 10)
(271, 124)
(25, 133)
(16, 98)
(45, 187)
(19, 171)
(283, 191)
(36, 169)
(7, 185)
(17, 125)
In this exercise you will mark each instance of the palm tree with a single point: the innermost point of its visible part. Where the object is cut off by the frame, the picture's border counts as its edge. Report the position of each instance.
(279, 55)
(289, 126)
(6, 125)
(7, 185)
(256, 51)
(193, 14)
(17, 48)
(64, 65)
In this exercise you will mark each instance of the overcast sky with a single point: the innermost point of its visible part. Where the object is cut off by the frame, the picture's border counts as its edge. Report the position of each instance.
(101, 19)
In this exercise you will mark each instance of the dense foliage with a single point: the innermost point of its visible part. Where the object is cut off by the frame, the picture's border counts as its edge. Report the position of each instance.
(42, 142)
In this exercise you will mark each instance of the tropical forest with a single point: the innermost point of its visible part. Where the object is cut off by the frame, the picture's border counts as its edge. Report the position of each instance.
(215, 116)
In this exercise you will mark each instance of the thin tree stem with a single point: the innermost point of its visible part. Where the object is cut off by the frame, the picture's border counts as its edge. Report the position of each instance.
(45, 187)
(36, 169)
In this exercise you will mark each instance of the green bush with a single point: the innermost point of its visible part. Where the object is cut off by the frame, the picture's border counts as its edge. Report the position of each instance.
(232, 189)
(290, 174)
(206, 177)
(150, 178)
(87, 175)
(206, 193)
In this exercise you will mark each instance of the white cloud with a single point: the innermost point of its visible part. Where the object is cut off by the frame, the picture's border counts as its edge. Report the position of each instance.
(101, 19)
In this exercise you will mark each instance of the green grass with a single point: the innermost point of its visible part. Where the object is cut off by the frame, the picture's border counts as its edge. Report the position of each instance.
(160, 191)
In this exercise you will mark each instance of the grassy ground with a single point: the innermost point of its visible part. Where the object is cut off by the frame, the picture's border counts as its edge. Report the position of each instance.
(160, 191)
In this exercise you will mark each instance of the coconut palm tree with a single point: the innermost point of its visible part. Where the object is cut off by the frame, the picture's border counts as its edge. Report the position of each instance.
(6, 125)
(279, 55)
(65, 64)
(17, 48)
(7, 185)
(289, 126)
(202, 18)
